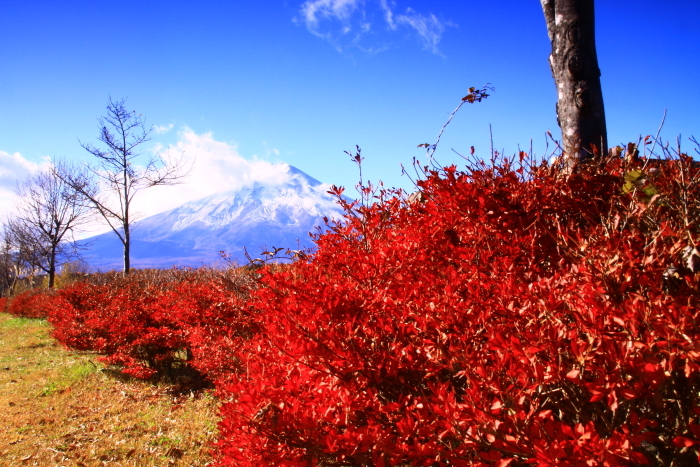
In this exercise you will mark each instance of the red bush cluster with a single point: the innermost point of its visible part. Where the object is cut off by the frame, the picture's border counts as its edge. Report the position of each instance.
(33, 303)
(515, 317)
(508, 316)
(150, 328)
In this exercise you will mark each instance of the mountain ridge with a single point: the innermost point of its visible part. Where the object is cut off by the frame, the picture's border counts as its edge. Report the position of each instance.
(259, 216)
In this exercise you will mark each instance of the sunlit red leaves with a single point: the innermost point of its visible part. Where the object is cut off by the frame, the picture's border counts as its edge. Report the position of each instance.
(504, 320)
(35, 303)
(499, 313)
(149, 329)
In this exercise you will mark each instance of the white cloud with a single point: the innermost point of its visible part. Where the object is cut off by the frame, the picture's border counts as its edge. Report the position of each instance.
(14, 169)
(269, 152)
(160, 129)
(388, 13)
(314, 11)
(216, 167)
(352, 23)
(428, 27)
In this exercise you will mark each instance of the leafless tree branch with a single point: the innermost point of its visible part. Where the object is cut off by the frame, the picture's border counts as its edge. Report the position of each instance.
(48, 213)
(122, 170)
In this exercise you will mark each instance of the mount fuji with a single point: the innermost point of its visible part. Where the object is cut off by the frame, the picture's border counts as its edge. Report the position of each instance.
(260, 216)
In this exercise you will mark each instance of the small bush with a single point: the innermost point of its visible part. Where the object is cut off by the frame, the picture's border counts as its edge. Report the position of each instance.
(157, 323)
(34, 303)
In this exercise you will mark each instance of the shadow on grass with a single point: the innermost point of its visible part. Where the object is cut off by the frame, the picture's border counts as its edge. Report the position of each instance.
(178, 382)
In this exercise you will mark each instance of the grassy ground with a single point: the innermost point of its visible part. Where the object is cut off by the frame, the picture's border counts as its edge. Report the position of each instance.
(61, 408)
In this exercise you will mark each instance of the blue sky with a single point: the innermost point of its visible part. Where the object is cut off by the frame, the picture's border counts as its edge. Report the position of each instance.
(244, 85)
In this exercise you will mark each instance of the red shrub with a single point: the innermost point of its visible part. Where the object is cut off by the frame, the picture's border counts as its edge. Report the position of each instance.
(80, 325)
(513, 318)
(35, 303)
(215, 322)
(508, 320)
(157, 327)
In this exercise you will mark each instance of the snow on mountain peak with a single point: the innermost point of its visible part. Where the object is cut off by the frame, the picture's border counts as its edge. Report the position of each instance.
(275, 211)
(298, 196)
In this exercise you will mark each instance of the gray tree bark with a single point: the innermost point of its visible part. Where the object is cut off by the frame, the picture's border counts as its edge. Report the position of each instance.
(574, 64)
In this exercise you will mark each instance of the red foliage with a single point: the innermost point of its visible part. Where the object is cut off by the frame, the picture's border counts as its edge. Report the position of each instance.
(34, 303)
(513, 318)
(505, 317)
(150, 328)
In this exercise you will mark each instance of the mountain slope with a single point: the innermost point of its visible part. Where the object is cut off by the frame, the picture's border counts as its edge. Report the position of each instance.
(262, 215)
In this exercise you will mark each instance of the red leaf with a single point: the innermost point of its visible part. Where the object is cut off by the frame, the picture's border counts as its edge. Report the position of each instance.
(683, 442)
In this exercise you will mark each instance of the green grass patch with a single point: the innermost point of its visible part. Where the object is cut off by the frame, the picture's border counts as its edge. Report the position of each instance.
(22, 322)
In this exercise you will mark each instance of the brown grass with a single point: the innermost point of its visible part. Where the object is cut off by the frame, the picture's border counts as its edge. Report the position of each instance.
(62, 408)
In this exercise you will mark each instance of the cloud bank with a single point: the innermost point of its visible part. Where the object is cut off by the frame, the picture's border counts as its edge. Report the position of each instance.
(358, 23)
(14, 169)
(216, 167)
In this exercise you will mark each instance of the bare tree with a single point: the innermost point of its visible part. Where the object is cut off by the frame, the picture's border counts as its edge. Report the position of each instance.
(9, 260)
(574, 64)
(120, 171)
(18, 255)
(26, 251)
(48, 212)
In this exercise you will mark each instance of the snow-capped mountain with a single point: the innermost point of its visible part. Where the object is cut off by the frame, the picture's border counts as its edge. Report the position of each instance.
(258, 217)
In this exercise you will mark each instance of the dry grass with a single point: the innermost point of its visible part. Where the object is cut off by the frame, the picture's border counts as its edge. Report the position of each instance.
(61, 408)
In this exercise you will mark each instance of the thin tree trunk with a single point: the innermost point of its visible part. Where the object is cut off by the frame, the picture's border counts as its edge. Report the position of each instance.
(574, 64)
(52, 267)
(126, 221)
(127, 249)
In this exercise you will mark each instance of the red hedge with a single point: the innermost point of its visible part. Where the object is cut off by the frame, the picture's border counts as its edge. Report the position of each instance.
(155, 328)
(517, 316)
(514, 318)
(34, 303)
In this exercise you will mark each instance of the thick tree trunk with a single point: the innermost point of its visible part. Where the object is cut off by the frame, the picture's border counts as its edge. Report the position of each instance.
(574, 63)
